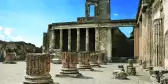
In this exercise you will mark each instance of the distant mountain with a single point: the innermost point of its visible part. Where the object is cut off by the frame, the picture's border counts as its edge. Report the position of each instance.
(21, 48)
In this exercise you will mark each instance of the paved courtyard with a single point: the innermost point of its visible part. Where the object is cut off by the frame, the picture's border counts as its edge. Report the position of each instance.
(14, 74)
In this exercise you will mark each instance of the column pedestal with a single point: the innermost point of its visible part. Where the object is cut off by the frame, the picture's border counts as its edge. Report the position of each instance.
(101, 58)
(94, 59)
(84, 58)
(37, 69)
(69, 65)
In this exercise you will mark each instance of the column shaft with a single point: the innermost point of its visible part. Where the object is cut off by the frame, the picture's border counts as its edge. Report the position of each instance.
(69, 39)
(87, 39)
(96, 39)
(52, 40)
(78, 40)
(109, 45)
(61, 44)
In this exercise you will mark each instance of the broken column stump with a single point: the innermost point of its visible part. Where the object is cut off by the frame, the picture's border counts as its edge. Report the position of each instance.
(164, 79)
(38, 68)
(119, 74)
(69, 65)
(144, 65)
(131, 70)
(130, 62)
(94, 59)
(101, 58)
(121, 67)
(84, 58)
(151, 70)
(9, 58)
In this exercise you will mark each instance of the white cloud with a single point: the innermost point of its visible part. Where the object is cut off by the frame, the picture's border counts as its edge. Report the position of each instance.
(115, 14)
(2, 37)
(7, 35)
(0, 28)
(8, 31)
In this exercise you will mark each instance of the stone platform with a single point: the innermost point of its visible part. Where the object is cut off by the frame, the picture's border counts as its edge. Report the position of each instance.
(14, 74)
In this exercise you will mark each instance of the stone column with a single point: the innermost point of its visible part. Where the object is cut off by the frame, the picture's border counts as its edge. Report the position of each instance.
(158, 43)
(94, 59)
(78, 40)
(84, 58)
(87, 10)
(69, 65)
(136, 43)
(38, 68)
(61, 44)
(109, 45)
(96, 39)
(44, 42)
(69, 39)
(52, 39)
(87, 39)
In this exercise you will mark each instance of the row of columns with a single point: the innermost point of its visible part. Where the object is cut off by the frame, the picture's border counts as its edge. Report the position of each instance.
(97, 36)
(52, 40)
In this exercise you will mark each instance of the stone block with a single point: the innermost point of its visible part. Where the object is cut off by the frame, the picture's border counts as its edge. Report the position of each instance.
(131, 70)
(69, 65)
(9, 58)
(119, 74)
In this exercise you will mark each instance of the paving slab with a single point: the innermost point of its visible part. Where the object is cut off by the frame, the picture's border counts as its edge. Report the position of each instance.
(14, 74)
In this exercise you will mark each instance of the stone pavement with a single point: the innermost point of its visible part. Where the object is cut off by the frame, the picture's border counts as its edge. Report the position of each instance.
(14, 74)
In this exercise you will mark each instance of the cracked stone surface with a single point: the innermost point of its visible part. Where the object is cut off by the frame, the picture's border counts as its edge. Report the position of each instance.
(14, 74)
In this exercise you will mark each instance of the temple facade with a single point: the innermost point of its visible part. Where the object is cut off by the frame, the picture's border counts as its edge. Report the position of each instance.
(89, 33)
(150, 33)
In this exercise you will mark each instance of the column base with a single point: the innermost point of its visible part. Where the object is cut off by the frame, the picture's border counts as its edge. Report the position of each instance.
(39, 80)
(102, 62)
(85, 68)
(10, 62)
(95, 64)
(74, 73)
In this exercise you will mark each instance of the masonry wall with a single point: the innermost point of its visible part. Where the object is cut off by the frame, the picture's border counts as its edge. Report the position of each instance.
(136, 42)
(103, 39)
(165, 7)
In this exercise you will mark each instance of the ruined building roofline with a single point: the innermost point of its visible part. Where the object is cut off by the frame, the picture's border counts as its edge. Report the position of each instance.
(93, 22)
(139, 10)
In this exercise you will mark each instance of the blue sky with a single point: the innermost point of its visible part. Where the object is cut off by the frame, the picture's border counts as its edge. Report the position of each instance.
(26, 20)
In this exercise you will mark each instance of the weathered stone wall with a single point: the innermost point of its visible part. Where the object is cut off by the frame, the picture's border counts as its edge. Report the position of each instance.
(122, 46)
(103, 39)
(166, 50)
(21, 48)
(136, 42)
(140, 41)
(165, 9)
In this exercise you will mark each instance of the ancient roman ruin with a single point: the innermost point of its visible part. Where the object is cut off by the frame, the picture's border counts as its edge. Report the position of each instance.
(92, 42)
(89, 33)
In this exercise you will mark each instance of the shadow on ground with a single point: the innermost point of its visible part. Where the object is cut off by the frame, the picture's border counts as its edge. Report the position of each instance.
(85, 77)
(97, 70)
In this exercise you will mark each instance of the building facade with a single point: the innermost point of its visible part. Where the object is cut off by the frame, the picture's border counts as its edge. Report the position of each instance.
(150, 33)
(89, 33)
